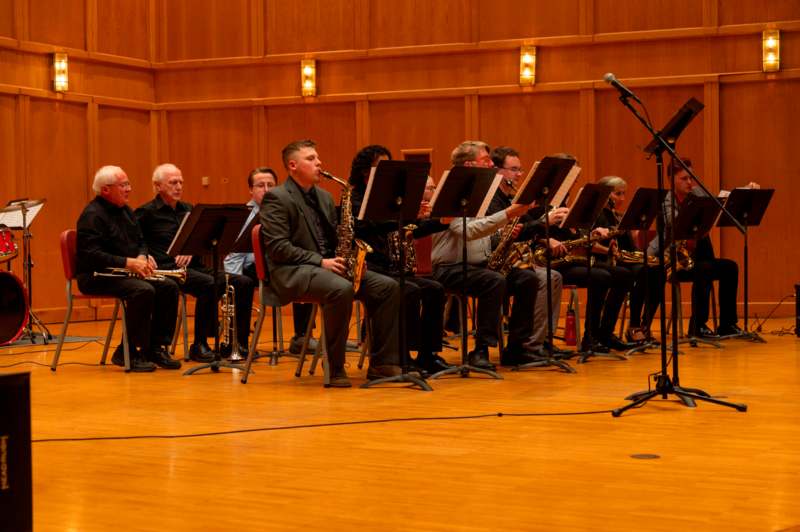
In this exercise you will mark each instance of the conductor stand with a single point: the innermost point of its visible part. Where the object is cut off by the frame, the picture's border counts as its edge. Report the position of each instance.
(210, 230)
(639, 217)
(20, 214)
(666, 386)
(396, 188)
(547, 185)
(747, 206)
(464, 191)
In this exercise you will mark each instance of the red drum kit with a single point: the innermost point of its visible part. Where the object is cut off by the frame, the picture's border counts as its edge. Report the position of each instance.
(15, 309)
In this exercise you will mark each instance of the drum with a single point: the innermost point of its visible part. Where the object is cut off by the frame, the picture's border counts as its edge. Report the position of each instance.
(8, 248)
(13, 307)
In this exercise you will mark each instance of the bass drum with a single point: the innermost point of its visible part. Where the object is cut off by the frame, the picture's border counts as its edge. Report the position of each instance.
(13, 307)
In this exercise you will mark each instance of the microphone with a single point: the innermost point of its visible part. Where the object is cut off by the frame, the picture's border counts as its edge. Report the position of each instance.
(612, 80)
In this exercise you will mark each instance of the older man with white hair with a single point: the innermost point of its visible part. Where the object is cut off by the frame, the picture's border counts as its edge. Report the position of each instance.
(109, 237)
(160, 220)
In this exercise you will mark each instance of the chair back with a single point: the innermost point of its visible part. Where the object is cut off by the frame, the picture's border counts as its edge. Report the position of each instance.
(644, 238)
(423, 248)
(68, 240)
(258, 254)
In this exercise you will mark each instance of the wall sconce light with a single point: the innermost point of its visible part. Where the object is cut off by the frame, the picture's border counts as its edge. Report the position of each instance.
(771, 50)
(527, 65)
(60, 72)
(308, 77)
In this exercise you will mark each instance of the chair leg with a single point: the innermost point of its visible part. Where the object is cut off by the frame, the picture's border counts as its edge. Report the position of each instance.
(624, 316)
(54, 364)
(576, 304)
(111, 326)
(309, 328)
(362, 341)
(259, 324)
(714, 308)
(125, 344)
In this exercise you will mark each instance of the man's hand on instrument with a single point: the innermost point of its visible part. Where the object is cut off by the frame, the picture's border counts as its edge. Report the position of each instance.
(557, 249)
(139, 266)
(152, 262)
(183, 260)
(556, 216)
(337, 265)
(516, 231)
(600, 232)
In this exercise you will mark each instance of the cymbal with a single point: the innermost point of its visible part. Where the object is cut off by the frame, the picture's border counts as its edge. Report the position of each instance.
(18, 206)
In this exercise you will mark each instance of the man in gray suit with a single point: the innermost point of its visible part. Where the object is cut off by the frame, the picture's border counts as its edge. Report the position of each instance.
(298, 224)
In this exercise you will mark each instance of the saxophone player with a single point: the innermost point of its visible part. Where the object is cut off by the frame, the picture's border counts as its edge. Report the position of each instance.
(508, 163)
(490, 287)
(299, 227)
(424, 297)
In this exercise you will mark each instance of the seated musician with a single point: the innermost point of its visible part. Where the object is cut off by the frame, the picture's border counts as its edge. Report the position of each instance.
(259, 181)
(299, 226)
(489, 287)
(609, 284)
(707, 267)
(646, 294)
(109, 237)
(424, 297)
(508, 163)
(160, 220)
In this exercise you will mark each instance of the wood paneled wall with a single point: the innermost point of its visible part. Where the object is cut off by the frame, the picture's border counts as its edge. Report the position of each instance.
(213, 87)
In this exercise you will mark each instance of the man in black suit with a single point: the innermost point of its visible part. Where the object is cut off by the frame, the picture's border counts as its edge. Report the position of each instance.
(298, 224)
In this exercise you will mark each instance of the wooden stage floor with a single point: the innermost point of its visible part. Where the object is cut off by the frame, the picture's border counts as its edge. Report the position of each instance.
(717, 469)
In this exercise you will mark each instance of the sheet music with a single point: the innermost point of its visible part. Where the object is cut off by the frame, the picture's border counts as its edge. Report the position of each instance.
(365, 201)
(574, 202)
(439, 187)
(566, 185)
(13, 220)
(185, 217)
(489, 196)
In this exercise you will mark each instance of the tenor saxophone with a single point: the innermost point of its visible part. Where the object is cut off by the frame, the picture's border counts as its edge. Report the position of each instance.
(395, 240)
(352, 250)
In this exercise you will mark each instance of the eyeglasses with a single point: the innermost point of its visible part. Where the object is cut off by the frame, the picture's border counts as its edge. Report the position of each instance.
(515, 169)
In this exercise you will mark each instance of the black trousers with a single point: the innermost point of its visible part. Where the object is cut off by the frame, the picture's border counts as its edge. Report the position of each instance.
(200, 284)
(151, 307)
(424, 301)
(645, 300)
(703, 275)
(491, 289)
(609, 284)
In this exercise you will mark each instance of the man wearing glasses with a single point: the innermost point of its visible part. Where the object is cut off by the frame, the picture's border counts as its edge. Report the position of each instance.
(508, 163)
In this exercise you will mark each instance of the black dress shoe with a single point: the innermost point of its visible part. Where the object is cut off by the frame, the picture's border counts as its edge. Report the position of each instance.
(160, 357)
(339, 379)
(140, 365)
(556, 351)
(615, 343)
(520, 356)
(200, 352)
(595, 347)
(432, 363)
(118, 358)
(387, 370)
(702, 332)
(479, 358)
(729, 330)
(296, 345)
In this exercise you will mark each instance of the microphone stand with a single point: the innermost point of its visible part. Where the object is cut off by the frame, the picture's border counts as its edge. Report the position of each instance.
(664, 385)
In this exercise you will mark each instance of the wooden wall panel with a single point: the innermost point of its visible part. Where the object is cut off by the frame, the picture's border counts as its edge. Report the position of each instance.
(24, 70)
(611, 16)
(331, 126)
(100, 79)
(418, 22)
(123, 139)
(312, 25)
(534, 124)
(56, 170)
(739, 12)
(511, 19)
(228, 82)
(198, 29)
(8, 147)
(438, 124)
(7, 18)
(122, 28)
(759, 123)
(59, 23)
(217, 143)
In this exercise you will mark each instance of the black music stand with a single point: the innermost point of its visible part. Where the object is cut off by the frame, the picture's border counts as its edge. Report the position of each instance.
(639, 216)
(747, 206)
(210, 230)
(394, 193)
(544, 180)
(583, 214)
(465, 191)
(665, 140)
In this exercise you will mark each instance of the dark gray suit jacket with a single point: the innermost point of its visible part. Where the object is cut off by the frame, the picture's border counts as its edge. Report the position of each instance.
(291, 248)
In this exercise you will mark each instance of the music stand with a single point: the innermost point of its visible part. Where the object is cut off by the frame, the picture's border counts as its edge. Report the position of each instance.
(664, 386)
(673, 129)
(464, 191)
(583, 214)
(394, 193)
(210, 230)
(639, 216)
(747, 206)
(19, 215)
(544, 181)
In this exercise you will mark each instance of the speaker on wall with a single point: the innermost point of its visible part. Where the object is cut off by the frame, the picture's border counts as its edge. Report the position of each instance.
(16, 486)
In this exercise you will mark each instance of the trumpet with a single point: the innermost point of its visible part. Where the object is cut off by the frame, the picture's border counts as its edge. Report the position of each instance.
(158, 275)
(227, 325)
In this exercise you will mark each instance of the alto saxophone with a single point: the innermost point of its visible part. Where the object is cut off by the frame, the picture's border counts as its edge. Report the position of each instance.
(394, 241)
(684, 259)
(539, 256)
(352, 250)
